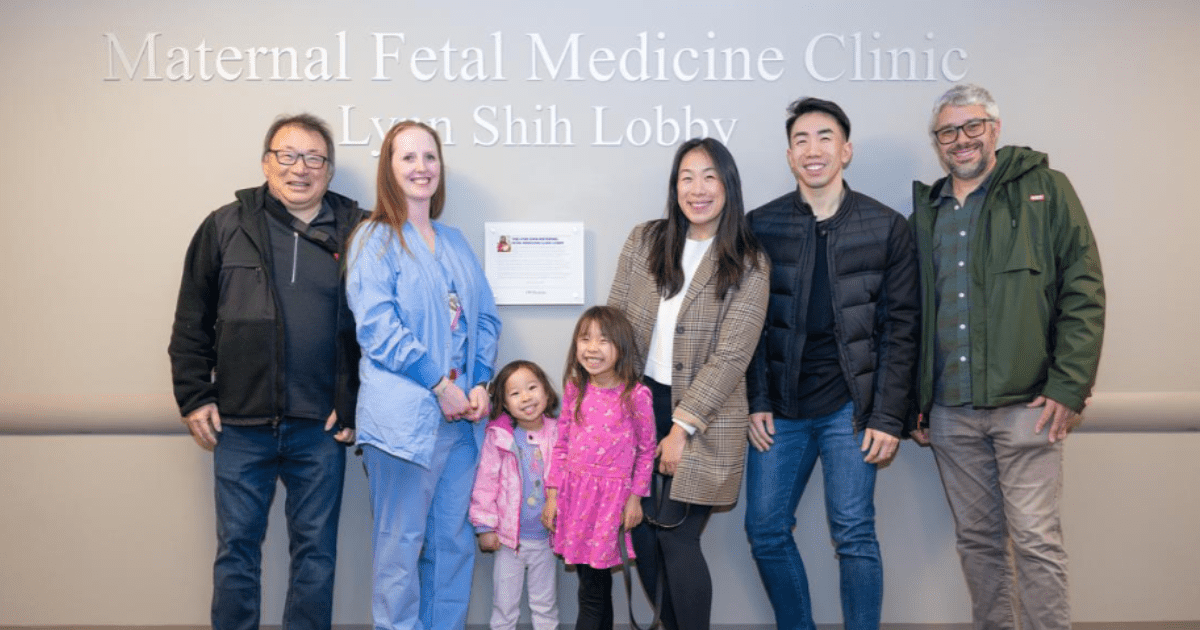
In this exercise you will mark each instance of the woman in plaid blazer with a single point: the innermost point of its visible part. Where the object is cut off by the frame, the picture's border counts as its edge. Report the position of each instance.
(695, 287)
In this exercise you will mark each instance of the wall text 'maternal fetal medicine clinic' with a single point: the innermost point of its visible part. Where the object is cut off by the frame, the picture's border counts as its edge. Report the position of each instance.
(828, 57)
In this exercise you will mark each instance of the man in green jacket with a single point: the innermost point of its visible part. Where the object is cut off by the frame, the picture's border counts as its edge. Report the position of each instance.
(1013, 302)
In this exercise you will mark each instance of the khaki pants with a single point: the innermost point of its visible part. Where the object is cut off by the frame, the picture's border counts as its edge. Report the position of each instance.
(1003, 483)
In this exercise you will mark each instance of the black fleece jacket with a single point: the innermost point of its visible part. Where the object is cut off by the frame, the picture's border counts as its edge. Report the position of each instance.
(227, 344)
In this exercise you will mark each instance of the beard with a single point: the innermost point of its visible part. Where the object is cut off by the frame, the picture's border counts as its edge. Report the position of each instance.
(969, 170)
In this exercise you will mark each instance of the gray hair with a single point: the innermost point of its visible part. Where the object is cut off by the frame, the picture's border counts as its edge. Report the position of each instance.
(964, 95)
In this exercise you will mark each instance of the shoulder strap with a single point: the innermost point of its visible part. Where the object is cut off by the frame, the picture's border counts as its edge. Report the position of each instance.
(627, 570)
(324, 239)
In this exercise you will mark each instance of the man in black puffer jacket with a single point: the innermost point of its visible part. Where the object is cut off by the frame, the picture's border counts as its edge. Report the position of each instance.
(833, 371)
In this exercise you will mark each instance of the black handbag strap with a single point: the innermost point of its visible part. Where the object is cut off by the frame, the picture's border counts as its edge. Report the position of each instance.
(664, 488)
(627, 570)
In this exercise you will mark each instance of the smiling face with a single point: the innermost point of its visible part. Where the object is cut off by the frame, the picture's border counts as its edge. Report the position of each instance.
(525, 399)
(597, 354)
(416, 165)
(818, 152)
(967, 159)
(701, 194)
(299, 187)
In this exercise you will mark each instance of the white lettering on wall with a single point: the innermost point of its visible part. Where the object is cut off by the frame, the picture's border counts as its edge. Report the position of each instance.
(381, 54)
(540, 130)
(570, 51)
(380, 126)
(664, 130)
(645, 57)
(640, 62)
(146, 52)
(230, 63)
(829, 56)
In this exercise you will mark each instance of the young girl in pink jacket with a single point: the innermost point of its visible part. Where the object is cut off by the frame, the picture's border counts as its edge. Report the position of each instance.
(510, 492)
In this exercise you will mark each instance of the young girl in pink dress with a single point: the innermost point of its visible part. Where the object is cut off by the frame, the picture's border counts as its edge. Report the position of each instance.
(602, 461)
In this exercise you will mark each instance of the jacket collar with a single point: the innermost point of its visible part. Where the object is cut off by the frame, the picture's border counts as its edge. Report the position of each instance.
(252, 214)
(502, 426)
(839, 217)
(1011, 163)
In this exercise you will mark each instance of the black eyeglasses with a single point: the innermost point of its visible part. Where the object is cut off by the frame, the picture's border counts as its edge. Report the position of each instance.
(972, 129)
(288, 158)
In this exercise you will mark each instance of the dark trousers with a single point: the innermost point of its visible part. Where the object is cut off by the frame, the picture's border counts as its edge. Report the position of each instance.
(595, 598)
(247, 462)
(687, 585)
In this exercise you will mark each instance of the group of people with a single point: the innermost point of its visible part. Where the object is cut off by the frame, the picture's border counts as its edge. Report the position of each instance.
(820, 326)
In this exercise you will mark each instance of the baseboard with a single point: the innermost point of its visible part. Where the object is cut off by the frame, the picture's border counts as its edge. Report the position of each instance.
(1108, 625)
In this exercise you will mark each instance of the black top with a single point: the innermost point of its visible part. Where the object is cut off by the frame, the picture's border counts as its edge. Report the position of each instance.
(822, 388)
(306, 278)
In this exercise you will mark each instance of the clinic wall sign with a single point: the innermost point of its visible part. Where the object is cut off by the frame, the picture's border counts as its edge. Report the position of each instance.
(644, 58)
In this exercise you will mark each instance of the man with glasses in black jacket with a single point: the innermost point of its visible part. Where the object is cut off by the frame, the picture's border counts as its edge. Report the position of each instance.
(265, 364)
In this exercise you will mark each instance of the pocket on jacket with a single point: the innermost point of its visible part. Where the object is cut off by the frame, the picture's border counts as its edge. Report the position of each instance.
(245, 372)
(1020, 286)
(1021, 258)
(243, 292)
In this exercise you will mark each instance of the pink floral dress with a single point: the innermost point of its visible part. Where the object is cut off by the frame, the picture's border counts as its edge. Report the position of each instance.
(597, 463)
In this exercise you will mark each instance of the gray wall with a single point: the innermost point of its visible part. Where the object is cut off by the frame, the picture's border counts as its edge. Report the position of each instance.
(118, 530)
(107, 175)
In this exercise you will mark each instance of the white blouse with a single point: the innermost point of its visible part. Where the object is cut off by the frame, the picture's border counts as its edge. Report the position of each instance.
(658, 358)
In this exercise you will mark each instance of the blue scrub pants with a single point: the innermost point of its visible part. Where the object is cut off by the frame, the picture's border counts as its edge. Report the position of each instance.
(424, 545)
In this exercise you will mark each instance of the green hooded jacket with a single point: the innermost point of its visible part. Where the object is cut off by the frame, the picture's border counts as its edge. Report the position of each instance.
(1037, 292)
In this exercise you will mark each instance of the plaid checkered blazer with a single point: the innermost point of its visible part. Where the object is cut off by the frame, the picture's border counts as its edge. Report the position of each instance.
(714, 340)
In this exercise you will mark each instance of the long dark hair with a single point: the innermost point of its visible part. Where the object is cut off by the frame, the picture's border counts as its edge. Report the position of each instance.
(499, 384)
(736, 248)
(616, 327)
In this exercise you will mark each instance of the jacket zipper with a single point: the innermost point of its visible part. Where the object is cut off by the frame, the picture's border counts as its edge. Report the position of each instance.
(838, 333)
(521, 480)
(265, 256)
(295, 253)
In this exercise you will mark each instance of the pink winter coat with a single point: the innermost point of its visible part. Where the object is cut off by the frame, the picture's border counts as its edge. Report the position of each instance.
(496, 498)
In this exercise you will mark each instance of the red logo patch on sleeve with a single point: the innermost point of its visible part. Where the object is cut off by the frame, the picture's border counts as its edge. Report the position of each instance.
(1037, 197)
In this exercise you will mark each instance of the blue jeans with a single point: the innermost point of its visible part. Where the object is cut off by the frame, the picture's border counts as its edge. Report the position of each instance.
(424, 545)
(775, 481)
(247, 461)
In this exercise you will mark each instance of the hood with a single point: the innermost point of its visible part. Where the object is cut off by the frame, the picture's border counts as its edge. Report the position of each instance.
(1014, 162)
